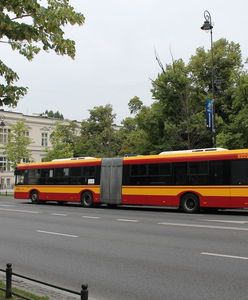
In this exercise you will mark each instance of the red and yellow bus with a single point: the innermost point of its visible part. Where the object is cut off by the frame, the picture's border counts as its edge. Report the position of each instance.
(189, 180)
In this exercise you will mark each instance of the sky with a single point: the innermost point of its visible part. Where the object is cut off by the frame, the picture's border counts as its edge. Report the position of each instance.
(115, 53)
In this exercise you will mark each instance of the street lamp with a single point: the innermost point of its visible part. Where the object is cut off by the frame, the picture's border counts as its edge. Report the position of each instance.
(208, 26)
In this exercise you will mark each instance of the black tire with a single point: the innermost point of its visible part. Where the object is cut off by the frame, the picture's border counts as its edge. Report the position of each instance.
(34, 197)
(87, 199)
(190, 203)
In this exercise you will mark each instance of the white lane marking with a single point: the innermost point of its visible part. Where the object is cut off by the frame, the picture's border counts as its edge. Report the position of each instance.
(225, 221)
(57, 233)
(90, 217)
(127, 220)
(204, 226)
(22, 211)
(56, 214)
(224, 255)
(7, 205)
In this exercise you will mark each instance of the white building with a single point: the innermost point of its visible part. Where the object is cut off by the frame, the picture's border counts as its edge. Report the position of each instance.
(39, 131)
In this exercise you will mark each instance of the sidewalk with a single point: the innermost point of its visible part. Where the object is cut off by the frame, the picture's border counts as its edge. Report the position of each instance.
(6, 192)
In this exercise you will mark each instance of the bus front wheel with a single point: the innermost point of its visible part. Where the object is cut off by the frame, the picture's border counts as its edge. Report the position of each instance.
(190, 203)
(87, 199)
(34, 197)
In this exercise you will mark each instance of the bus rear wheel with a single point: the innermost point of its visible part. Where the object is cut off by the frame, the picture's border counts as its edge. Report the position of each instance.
(34, 197)
(190, 203)
(87, 199)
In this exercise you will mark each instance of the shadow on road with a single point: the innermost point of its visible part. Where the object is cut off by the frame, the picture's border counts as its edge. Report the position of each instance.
(230, 212)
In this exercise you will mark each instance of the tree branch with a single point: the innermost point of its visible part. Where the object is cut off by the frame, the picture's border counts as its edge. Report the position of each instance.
(159, 61)
(21, 17)
(158, 85)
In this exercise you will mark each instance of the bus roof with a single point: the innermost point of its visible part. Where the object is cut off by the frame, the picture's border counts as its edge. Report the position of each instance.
(193, 150)
(174, 156)
(60, 163)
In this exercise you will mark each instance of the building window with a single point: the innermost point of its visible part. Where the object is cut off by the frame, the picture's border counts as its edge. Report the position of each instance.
(44, 139)
(25, 160)
(3, 164)
(8, 185)
(4, 135)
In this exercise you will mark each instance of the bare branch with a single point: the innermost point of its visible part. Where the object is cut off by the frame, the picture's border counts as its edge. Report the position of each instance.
(172, 58)
(159, 61)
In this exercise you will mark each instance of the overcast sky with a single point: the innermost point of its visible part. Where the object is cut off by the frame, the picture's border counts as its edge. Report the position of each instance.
(115, 52)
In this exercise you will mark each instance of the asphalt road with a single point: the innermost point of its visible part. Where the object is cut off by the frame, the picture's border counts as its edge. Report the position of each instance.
(128, 253)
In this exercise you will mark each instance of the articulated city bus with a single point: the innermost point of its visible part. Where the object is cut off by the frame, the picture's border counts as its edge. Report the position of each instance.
(190, 180)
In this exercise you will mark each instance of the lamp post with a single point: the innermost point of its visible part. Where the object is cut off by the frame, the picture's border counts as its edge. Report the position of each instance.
(208, 26)
(2, 123)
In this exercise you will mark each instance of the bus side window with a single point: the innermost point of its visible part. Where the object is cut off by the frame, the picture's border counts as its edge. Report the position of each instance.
(47, 176)
(219, 172)
(239, 172)
(126, 175)
(180, 173)
(198, 173)
(25, 177)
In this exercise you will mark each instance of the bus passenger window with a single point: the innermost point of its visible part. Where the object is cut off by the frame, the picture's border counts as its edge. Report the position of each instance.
(180, 173)
(219, 172)
(138, 170)
(239, 172)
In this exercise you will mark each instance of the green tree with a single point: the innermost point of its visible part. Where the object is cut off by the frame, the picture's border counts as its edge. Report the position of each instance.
(176, 120)
(16, 149)
(132, 136)
(131, 139)
(135, 105)
(230, 91)
(98, 136)
(52, 114)
(63, 140)
(234, 130)
(30, 26)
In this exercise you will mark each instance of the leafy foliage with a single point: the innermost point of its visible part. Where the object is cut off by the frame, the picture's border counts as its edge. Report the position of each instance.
(52, 114)
(98, 136)
(16, 149)
(135, 104)
(63, 141)
(30, 26)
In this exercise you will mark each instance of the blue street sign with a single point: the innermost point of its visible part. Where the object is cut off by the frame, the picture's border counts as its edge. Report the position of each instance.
(209, 107)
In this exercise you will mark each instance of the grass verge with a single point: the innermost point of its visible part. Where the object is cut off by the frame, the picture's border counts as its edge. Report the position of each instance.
(22, 293)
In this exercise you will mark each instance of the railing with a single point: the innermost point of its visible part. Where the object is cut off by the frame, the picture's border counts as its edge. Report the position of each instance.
(9, 292)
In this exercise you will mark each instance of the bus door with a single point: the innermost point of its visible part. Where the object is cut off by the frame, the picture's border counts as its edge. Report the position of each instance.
(111, 180)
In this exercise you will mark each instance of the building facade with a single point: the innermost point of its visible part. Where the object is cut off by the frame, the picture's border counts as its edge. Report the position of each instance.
(39, 131)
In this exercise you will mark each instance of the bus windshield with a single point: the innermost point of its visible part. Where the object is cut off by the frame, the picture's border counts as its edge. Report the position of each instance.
(21, 177)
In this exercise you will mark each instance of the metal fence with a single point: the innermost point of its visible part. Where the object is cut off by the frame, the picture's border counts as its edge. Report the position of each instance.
(9, 291)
